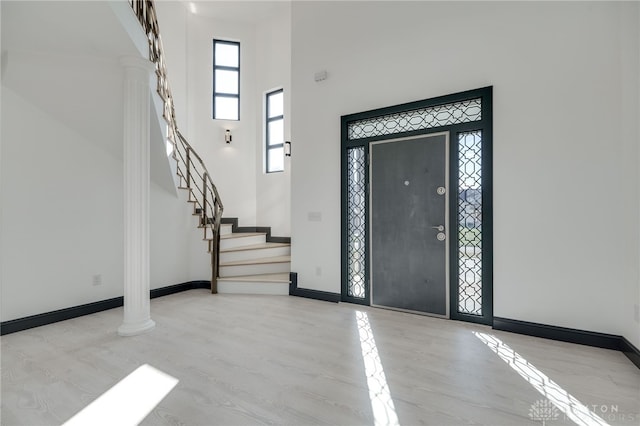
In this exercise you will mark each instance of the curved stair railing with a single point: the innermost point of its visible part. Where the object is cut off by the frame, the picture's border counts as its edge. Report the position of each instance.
(192, 173)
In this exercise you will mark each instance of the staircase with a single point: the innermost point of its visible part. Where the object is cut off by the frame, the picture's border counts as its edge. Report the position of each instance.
(252, 262)
(192, 174)
(243, 260)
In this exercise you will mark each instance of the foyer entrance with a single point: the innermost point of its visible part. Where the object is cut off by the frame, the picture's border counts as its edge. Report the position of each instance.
(417, 218)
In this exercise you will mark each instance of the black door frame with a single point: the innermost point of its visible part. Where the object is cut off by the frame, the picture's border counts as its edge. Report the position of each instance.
(484, 124)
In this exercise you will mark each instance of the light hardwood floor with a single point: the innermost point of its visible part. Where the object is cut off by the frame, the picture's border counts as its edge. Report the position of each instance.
(278, 360)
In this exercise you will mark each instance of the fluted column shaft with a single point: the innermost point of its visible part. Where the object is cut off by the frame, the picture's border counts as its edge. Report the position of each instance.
(137, 310)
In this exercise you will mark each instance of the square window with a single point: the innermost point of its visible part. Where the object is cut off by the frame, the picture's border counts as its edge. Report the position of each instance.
(227, 54)
(227, 82)
(276, 160)
(226, 108)
(275, 105)
(276, 132)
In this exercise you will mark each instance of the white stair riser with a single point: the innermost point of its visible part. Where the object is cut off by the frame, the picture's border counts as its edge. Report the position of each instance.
(227, 243)
(254, 269)
(251, 287)
(225, 228)
(234, 256)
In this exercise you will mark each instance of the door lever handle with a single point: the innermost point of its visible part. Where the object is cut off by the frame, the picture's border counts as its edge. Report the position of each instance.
(440, 228)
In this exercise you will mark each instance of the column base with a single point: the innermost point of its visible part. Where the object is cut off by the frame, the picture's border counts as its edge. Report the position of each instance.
(133, 329)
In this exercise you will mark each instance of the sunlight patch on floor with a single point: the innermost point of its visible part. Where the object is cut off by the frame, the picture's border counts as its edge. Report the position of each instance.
(384, 411)
(129, 401)
(559, 397)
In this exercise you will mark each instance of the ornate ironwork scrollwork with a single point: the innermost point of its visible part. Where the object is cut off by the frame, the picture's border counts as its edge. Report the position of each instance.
(356, 222)
(418, 119)
(470, 223)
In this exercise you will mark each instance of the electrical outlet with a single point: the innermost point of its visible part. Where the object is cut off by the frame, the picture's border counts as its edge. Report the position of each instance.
(97, 279)
(636, 313)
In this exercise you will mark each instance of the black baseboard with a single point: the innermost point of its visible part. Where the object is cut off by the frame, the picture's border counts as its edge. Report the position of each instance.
(266, 229)
(570, 335)
(20, 324)
(177, 288)
(630, 351)
(310, 294)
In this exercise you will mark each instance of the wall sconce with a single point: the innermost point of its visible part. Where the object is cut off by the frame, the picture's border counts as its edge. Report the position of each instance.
(227, 136)
(287, 149)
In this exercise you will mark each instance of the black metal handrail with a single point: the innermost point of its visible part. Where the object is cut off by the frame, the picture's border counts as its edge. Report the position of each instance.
(192, 172)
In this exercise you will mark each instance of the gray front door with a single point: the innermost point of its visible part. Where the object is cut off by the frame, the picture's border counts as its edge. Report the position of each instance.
(408, 224)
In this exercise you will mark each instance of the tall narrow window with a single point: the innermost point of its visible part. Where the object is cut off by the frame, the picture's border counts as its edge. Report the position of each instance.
(226, 80)
(274, 131)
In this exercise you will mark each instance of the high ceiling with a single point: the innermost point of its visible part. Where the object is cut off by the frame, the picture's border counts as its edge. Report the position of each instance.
(238, 10)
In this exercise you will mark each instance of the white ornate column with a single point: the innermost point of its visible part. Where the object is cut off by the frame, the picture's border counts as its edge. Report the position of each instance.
(137, 309)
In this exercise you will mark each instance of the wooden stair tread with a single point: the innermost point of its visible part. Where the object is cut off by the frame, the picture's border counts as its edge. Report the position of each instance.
(272, 278)
(241, 234)
(263, 261)
(255, 247)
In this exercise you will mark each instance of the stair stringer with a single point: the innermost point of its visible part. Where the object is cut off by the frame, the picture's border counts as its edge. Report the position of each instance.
(164, 168)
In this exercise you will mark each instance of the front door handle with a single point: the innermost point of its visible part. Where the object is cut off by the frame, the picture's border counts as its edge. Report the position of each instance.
(440, 228)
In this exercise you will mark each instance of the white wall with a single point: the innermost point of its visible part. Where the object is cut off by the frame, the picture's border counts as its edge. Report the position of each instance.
(174, 241)
(62, 218)
(633, 327)
(62, 214)
(232, 166)
(630, 65)
(565, 138)
(273, 190)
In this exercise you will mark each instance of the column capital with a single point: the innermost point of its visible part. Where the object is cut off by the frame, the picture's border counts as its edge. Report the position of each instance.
(137, 62)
